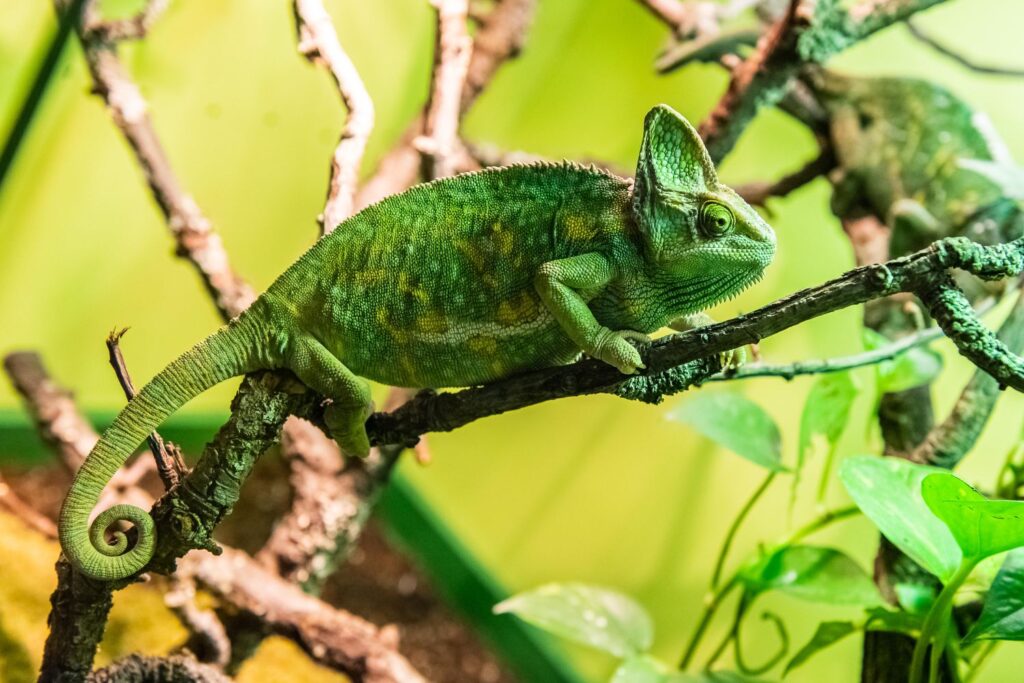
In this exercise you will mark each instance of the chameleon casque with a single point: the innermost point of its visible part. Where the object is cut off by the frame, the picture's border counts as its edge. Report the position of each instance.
(918, 158)
(459, 282)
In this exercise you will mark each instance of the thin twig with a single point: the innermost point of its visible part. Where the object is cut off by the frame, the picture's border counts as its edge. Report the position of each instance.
(318, 42)
(759, 193)
(957, 57)
(440, 140)
(208, 639)
(13, 504)
(132, 28)
(191, 230)
(500, 37)
(169, 463)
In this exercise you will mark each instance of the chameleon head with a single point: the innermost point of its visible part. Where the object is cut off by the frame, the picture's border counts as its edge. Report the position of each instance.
(694, 228)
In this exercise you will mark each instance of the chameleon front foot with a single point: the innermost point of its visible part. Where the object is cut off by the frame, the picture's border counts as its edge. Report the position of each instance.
(614, 348)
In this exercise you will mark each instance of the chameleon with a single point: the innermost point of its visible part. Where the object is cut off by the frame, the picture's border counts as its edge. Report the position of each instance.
(917, 157)
(458, 282)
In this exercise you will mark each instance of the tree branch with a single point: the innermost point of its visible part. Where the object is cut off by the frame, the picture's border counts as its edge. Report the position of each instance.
(809, 31)
(951, 440)
(439, 143)
(169, 463)
(191, 230)
(922, 273)
(334, 638)
(137, 668)
(318, 42)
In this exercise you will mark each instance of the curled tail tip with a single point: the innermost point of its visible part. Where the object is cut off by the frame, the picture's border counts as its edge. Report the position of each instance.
(87, 549)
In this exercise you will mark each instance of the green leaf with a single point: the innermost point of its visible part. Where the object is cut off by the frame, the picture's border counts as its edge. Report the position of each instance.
(888, 491)
(912, 368)
(828, 633)
(592, 615)
(915, 596)
(737, 423)
(826, 410)
(1002, 617)
(1009, 177)
(981, 527)
(640, 670)
(893, 621)
(712, 677)
(812, 573)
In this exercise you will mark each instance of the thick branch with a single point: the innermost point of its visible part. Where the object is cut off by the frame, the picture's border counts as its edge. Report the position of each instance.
(922, 273)
(808, 32)
(952, 439)
(319, 43)
(136, 668)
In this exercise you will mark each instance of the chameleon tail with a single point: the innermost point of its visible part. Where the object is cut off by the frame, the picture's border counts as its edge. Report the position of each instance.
(233, 350)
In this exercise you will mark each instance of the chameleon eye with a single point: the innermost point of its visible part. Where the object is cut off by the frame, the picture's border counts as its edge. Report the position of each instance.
(716, 219)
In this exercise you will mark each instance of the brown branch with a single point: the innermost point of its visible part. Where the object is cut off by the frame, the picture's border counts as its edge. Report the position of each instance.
(809, 32)
(52, 408)
(331, 637)
(759, 193)
(332, 500)
(11, 503)
(132, 28)
(136, 668)
(169, 463)
(191, 230)
(319, 43)
(499, 38)
(439, 143)
(208, 639)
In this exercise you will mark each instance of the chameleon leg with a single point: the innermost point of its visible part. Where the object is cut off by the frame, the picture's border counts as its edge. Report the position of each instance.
(350, 405)
(559, 284)
(731, 359)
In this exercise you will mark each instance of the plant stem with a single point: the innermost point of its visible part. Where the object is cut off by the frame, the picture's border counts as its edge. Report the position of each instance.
(980, 660)
(711, 605)
(935, 622)
(735, 526)
(714, 599)
(820, 522)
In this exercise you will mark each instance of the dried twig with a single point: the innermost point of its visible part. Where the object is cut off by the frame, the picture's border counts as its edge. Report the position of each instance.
(208, 639)
(319, 43)
(759, 193)
(10, 502)
(332, 637)
(440, 140)
(191, 230)
(499, 37)
(169, 463)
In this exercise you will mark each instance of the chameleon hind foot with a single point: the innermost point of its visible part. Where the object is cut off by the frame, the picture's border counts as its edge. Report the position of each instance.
(348, 428)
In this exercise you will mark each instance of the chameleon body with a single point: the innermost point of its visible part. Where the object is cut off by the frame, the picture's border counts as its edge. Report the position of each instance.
(911, 153)
(459, 282)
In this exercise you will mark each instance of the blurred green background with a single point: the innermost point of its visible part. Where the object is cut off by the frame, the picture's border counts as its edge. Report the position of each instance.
(591, 489)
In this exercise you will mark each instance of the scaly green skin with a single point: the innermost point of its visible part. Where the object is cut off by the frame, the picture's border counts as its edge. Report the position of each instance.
(459, 282)
(900, 144)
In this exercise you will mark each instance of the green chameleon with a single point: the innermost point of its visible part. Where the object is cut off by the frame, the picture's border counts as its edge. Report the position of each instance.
(918, 158)
(455, 283)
